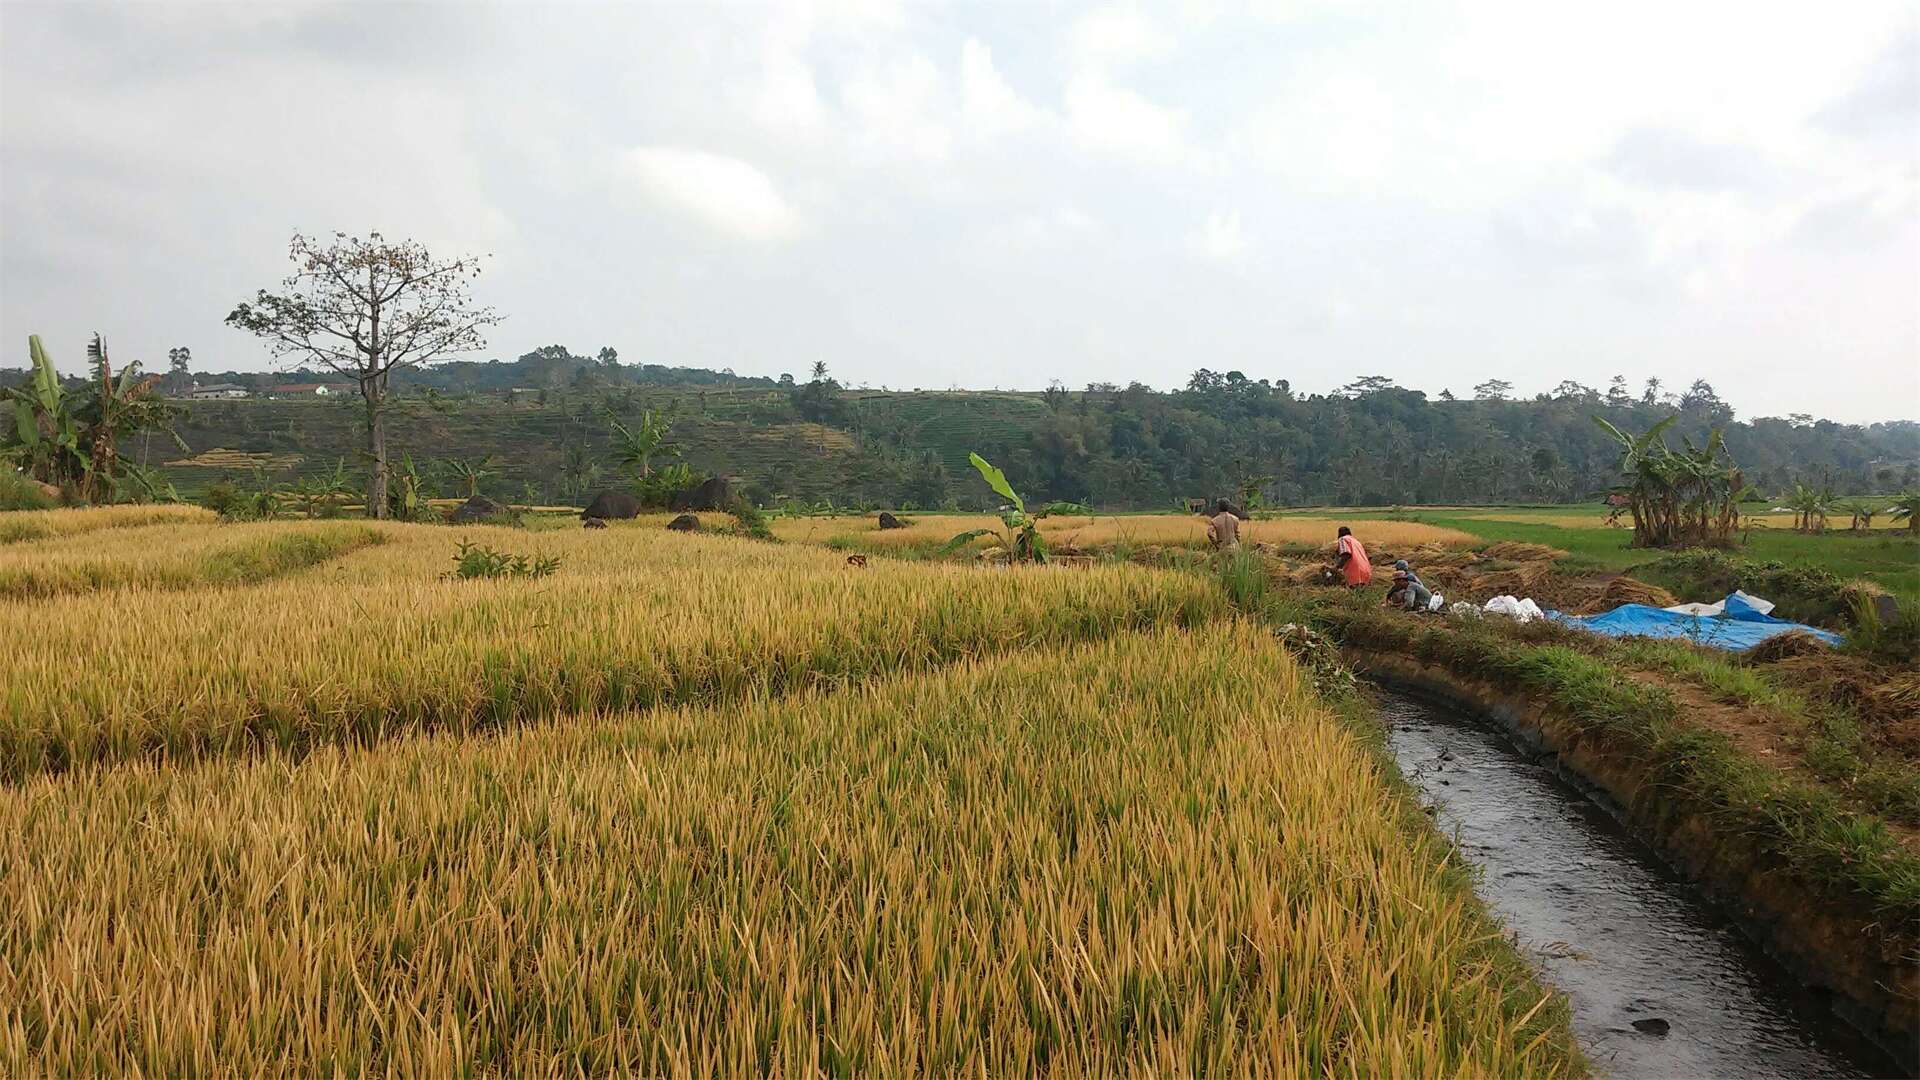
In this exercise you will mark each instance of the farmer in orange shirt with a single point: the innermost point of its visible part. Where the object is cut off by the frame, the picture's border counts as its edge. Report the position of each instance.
(1350, 558)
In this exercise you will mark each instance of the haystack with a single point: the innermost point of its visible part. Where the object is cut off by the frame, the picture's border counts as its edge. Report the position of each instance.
(1626, 590)
(1307, 574)
(1523, 580)
(1786, 646)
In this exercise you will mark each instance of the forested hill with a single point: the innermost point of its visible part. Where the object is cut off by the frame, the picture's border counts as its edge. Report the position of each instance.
(541, 426)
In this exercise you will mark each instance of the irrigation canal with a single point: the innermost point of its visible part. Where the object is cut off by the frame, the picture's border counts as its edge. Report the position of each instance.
(1661, 982)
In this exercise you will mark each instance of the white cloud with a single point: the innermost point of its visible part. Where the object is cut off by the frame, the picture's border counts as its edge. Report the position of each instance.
(1048, 229)
(787, 102)
(1114, 36)
(891, 107)
(723, 192)
(1329, 134)
(1444, 167)
(1219, 237)
(1113, 119)
(990, 106)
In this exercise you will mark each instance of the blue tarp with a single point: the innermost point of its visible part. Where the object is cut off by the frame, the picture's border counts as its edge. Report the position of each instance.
(1740, 628)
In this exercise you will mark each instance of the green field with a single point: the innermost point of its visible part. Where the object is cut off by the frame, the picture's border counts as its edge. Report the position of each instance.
(1888, 557)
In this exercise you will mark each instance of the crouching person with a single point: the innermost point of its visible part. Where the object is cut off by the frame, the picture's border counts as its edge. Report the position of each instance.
(1407, 590)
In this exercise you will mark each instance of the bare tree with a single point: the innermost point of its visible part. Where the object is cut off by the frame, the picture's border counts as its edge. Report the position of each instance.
(364, 307)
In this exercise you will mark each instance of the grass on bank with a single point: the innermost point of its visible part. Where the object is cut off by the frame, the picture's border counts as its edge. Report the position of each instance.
(1155, 854)
(1835, 746)
(379, 644)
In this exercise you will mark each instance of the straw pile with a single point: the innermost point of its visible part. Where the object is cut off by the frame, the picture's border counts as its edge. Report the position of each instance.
(1786, 646)
(1523, 580)
(1626, 590)
(1886, 702)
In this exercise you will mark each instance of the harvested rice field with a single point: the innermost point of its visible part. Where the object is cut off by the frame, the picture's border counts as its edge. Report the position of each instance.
(698, 804)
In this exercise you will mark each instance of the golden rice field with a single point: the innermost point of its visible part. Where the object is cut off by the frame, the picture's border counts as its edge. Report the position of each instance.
(174, 556)
(377, 644)
(1152, 854)
(697, 805)
(1158, 530)
(18, 525)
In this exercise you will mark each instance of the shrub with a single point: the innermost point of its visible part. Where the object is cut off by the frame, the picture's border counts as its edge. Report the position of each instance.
(1896, 640)
(657, 489)
(1804, 593)
(750, 522)
(480, 561)
(19, 493)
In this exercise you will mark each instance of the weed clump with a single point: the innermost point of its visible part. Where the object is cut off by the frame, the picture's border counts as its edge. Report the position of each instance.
(480, 561)
(1803, 593)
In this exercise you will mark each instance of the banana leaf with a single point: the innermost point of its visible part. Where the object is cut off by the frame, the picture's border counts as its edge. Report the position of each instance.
(964, 539)
(997, 480)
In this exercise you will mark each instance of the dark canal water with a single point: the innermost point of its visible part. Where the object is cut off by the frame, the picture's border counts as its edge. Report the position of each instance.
(1661, 983)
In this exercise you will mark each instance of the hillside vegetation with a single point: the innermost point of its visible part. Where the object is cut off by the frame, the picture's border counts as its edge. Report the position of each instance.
(542, 423)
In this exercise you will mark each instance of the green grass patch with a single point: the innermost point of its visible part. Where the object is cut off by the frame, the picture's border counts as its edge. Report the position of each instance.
(273, 556)
(1890, 558)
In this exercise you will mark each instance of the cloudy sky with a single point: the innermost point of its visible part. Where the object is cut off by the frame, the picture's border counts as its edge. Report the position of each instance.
(942, 194)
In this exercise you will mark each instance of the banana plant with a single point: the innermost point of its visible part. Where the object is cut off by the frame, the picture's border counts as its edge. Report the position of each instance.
(1686, 497)
(320, 492)
(635, 447)
(72, 442)
(1862, 511)
(404, 500)
(1906, 507)
(44, 438)
(1019, 540)
(471, 473)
